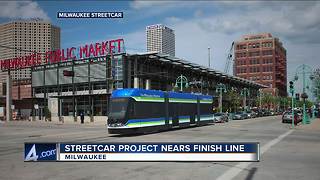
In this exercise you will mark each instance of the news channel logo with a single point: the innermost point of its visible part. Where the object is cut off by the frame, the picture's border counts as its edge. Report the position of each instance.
(40, 152)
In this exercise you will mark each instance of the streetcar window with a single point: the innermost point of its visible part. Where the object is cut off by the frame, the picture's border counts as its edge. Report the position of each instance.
(205, 108)
(118, 107)
(140, 110)
(182, 109)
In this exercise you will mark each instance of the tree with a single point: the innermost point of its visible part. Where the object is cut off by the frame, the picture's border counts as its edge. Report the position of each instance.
(316, 84)
(268, 100)
(233, 101)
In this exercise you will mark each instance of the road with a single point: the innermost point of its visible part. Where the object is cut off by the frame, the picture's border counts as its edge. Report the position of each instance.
(286, 153)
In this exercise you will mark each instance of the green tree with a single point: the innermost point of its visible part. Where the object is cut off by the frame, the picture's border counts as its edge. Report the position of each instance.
(233, 101)
(268, 100)
(316, 84)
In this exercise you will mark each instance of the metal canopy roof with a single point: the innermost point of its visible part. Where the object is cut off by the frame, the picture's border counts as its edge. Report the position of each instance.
(197, 67)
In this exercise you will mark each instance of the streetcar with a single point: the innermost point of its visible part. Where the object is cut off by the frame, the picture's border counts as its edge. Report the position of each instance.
(141, 111)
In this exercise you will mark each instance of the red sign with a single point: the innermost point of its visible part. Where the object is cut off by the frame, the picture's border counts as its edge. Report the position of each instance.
(86, 51)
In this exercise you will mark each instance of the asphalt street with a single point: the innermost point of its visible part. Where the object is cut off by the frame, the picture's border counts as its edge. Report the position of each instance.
(285, 153)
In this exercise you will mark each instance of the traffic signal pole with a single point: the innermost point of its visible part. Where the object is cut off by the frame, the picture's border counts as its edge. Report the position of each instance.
(292, 106)
(292, 102)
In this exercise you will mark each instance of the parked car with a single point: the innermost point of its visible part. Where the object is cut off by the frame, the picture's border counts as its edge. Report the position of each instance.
(238, 116)
(260, 113)
(245, 115)
(267, 113)
(287, 117)
(220, 117)
(272, 113)
(251, 114)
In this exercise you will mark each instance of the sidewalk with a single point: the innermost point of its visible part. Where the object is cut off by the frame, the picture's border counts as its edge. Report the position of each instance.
(41, 123)
(313, 126)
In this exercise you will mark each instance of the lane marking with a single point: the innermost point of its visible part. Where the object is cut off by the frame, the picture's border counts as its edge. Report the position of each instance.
(234, 171)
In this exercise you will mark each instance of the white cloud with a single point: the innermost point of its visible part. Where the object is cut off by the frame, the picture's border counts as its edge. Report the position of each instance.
(149, 4)
(172, 19)
(135, 42)
(21, 9)
(296, 24)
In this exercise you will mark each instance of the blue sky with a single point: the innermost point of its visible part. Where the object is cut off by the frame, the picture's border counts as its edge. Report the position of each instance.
(197, 25)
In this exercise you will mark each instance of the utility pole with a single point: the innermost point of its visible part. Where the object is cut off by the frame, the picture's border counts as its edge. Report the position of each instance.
(209, 56)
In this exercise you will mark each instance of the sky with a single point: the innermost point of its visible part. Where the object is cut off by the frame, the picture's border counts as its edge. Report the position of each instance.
(197, 25)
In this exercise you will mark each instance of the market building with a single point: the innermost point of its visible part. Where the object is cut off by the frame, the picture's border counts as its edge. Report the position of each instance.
(68, 87)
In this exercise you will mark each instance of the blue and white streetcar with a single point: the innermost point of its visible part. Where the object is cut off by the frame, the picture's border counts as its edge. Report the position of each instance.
(139, 110)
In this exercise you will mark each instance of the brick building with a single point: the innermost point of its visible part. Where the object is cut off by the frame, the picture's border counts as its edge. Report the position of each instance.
(262, 58)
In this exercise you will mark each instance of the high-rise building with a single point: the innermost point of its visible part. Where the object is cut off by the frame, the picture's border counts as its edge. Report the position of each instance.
(34, 35)
(262, 58)
(23, 36)
(160, 39)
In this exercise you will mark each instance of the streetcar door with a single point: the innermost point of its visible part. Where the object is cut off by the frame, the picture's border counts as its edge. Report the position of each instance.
(193, 112)
(175, 117)
(198, 111)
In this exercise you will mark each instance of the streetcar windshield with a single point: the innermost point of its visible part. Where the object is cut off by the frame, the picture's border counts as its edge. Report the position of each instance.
(118, 107)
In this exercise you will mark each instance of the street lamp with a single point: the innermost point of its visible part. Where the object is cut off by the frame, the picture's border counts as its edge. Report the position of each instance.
(245, 92)
(304, 70)
(221, 87)
(180, 81)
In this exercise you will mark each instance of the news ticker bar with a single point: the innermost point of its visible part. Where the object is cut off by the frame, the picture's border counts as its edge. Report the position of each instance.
(142, 151)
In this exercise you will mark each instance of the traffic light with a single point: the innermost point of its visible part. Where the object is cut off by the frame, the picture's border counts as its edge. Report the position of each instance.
(297, 96)
(291, 87)
(304, 96)
(68, 73)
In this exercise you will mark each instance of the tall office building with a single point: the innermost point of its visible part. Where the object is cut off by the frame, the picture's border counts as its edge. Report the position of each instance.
(161, 39)
(262, 58)
(32, 35)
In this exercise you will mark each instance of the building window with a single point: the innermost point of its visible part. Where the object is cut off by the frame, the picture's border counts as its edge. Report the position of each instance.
(100, 107)
(255, 53)
(266, 53)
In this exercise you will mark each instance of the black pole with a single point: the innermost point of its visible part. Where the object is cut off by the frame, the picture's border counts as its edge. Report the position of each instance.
(44, 91)
(90, 92)
(19, 96)
(73, 92)
(107, 73)
(59, 92)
